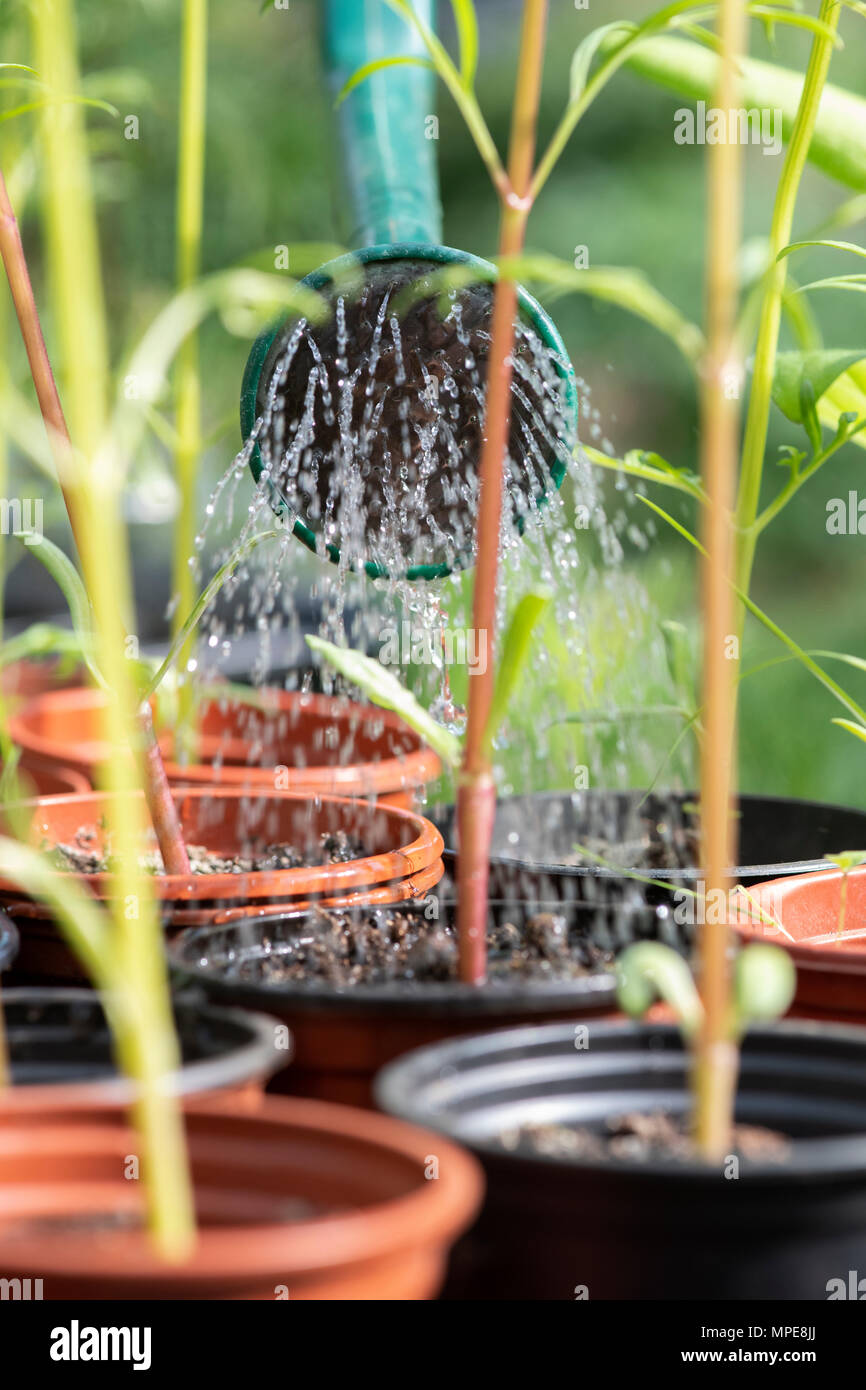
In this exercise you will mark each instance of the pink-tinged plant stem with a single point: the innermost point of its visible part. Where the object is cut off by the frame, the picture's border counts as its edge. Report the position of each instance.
(162, 808)
(476, 793)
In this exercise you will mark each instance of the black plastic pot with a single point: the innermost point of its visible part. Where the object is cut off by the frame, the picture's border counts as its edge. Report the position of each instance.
(778, 835)
(553, 1229)
(8, 942)
(343, 1036)
(61, 1055)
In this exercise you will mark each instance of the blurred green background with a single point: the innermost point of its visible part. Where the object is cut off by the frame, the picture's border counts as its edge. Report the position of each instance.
(624, 189)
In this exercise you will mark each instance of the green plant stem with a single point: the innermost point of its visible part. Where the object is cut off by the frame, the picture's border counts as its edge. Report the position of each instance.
(796, 481)
(476, 791)
(760, 400)
(91, 477)
(190, 202)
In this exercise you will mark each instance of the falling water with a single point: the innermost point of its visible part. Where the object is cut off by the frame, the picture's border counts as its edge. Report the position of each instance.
(369, 435)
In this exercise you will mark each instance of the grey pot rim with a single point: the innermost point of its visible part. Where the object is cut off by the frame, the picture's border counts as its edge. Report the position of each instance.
(737, 873)
(253, 1059)
(833, 1158)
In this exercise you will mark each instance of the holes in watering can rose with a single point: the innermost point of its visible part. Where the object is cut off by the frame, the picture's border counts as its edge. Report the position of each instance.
(371, 426)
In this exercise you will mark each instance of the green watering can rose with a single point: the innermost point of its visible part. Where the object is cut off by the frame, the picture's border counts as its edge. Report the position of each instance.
(370, 424)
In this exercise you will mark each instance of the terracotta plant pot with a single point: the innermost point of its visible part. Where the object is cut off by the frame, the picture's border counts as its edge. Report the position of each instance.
(404, 858)
(618, 1228)
(296, 1200)
(322, 746)
(343, 1035)
(21, 680)
(62, 1064)
(831, 964)
(41, 778)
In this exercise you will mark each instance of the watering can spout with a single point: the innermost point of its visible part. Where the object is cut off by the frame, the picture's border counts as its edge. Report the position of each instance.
(386, 124)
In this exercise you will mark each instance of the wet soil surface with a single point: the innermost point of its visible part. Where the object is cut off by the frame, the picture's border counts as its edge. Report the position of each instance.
(640, 1137)
(89, 855)
(388, 945)
(670, 842)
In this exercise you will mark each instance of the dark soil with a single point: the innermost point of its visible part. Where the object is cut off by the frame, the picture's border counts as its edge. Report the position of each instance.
(429, 388)
(389, 945)
(89, 855)
(640, 1137)
(666, 842)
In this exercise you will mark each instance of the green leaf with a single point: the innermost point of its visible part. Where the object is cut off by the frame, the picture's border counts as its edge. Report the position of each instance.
(629, 289)
(59, 101)
(586, 51)
(831, 245)
(514, 650)
(680, 662)
(466, 21)
(858, 730)
(848, 859)
(854, 283)
(205, 598)
(838, 146)
(847, 395)
(81, 919)
(764, 981)
(766, 621)
(69, 581)
(649, 971)
(639, 463)
(385, 690)
(802, 378)
(378, 65)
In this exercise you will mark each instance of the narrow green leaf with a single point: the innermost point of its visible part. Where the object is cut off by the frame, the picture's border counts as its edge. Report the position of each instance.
(70, 584)
(628, 288)
(205, 598)
(378, 65)
(466, 21)
(59, 101)
(838, 146)
(858, 730)
(766, 621)
(831, 245)
(636, 464)
(586, 51)
(514, 650)
(855, 283)
(680, 662)
(385, 690)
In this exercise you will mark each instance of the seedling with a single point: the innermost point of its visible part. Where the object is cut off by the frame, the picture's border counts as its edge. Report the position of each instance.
(764, 981)
(846, 861)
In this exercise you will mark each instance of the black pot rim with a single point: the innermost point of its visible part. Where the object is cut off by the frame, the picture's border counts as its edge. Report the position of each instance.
(596, 990)
(398, 1086)
(674, 876)
(257, 1057)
